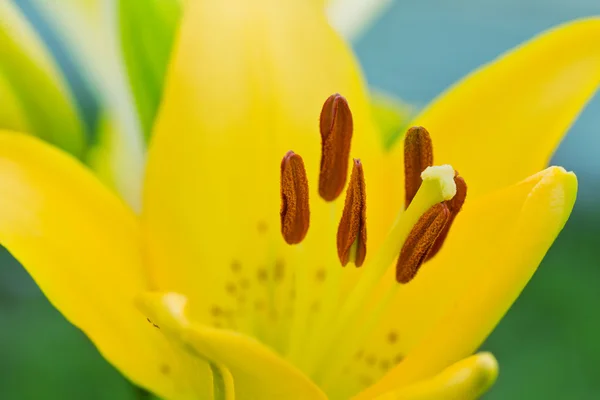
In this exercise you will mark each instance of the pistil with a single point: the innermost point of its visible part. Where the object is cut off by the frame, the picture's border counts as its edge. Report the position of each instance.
(438, 186)
(454, 206)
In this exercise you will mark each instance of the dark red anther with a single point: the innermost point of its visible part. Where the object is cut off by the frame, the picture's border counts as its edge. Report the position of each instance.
(454, 206)
(352, 231)
(418, 155)
(336, 136)
(420, 241)
(294, 212)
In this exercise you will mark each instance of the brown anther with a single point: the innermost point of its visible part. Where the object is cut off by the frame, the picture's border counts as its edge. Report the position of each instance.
(336, 135)
(421, 239)
(352, 231)
(294, 212)
(418, 155)
(454, 206)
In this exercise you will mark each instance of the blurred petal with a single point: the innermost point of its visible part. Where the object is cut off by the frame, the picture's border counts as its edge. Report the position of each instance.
(456, 300)
(32, 86)
(147, 31)
(89, 30)
(111, 161)
(84, 26)
(391, 115)
(351, 18)
(103, 156)
(257, 372)
(223, 384)
(467, 379)
(82, 247)
(12, 115)
(246, 84)
(503, 122)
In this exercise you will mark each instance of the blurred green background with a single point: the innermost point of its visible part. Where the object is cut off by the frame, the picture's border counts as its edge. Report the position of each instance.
(548, 345)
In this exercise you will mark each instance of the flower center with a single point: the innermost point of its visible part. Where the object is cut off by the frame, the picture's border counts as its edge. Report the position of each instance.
(428, 233)
(434, 195)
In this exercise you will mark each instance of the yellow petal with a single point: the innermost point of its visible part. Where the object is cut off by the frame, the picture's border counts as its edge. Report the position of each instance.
(246, 84)
(82, 247)
(467, 379)
(457, 298)
(502, 123)
(257, 372)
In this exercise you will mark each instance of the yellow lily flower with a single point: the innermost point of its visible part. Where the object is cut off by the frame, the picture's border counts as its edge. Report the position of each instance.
(203, 297)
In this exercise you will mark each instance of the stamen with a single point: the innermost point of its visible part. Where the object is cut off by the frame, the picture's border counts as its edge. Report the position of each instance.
(352, 231)
(438, 186)
(418, 155)
(420, 240)
(294, 212)
(336, 134)
(454, 206)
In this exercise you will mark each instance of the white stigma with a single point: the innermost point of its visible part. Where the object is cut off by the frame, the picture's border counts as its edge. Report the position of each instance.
(444, 174)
